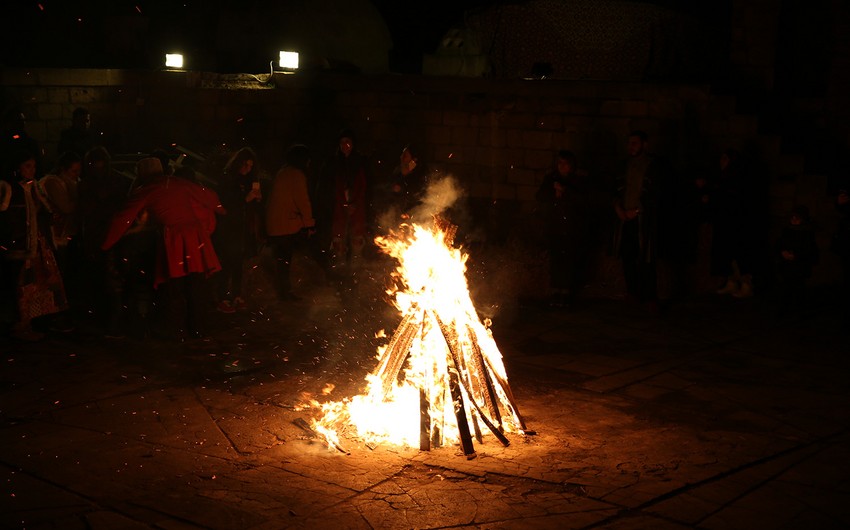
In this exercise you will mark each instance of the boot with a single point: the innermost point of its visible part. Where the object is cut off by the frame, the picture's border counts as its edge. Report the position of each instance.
(746, 289)
(731, 287)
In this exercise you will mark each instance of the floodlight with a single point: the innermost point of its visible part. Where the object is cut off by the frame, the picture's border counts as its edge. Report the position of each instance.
(173, 60)
(288, 60)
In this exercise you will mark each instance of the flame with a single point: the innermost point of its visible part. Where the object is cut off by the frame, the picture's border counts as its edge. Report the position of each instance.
(452, 368)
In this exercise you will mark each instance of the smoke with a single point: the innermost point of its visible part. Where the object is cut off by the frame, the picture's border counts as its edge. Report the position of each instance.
(440, 195)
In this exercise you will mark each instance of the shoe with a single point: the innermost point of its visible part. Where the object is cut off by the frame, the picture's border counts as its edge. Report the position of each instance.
(731, 287)
(225, 307)
(239, 303)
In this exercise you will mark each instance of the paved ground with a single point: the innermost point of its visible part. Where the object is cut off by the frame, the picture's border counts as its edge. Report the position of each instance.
(717, 414)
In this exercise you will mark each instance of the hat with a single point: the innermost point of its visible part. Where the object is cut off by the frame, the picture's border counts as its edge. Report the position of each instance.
(148, 167)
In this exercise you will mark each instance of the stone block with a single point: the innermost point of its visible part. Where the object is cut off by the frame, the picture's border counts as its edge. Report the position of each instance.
(611, 108)
(437, 134)
(456, 118)
(579, 123)
(489, 157)
(584, 107)
(504, 192)
(513, 157)
(53, 131)
(536, 140)
(495, 174)
(72, 77)
(466, 136)
(49, 111)
(526, 193)
(513, 120)
(539, 159)
(550, 122)
(491, 136)
(528, 104)
(666, 108)
(743, 125)
(635, 107)
(553, 105)
(513, 138)
(479, 189)
(445, 101)
(377, 114)
(128, 111)
(83, 95)
(432, 117)
(448, 153)
(519, 175)
(58, 95)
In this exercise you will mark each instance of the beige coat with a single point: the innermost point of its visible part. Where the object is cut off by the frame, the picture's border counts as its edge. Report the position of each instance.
(288, 209)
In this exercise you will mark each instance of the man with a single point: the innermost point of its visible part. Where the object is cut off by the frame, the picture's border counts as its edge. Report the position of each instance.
(636, 205)
(78, 138)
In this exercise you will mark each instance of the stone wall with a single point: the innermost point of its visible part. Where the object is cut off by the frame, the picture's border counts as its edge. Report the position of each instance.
(497, 137)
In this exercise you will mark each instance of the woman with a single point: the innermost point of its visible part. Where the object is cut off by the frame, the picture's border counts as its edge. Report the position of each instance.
(62, 194)
(563, 199)
(184, 211)
(288, 213)
(29, 266)
(235, 239)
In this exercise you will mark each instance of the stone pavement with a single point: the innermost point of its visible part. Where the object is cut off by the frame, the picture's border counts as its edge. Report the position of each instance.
(714, 415)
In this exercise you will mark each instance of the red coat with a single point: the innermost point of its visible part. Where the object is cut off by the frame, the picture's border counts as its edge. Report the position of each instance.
(186, 212)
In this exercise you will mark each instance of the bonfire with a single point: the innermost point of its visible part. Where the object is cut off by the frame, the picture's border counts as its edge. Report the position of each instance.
(440, 379)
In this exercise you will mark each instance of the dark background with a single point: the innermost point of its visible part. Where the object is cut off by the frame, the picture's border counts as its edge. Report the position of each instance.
(134, 33)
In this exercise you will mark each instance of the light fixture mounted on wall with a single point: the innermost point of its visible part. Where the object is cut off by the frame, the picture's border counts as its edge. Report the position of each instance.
(288, 61)
(174, 61)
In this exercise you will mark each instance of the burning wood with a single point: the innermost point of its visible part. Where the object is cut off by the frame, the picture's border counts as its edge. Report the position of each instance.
(441, 361)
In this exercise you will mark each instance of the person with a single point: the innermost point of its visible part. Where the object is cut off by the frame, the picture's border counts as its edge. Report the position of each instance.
(564, 201)
(30, 270)
(796, 254)
(185, 214)
(289, 214)
(14, 139)
(101, 192)
(636, 206)
(408, 181)
(62, 194)
(728, 200)
(347, 176)
(236, 237)
(840, 245)
(78, 138)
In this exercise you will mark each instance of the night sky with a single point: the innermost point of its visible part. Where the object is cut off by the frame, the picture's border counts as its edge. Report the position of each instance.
(132, 33)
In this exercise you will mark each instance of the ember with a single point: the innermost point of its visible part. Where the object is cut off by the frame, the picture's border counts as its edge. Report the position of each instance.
(441, 376)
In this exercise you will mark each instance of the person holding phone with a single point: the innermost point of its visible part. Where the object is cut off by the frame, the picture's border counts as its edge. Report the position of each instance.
(235, 240)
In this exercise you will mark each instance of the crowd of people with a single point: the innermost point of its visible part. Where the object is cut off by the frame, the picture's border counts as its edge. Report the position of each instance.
(151, 253)
(660, 216)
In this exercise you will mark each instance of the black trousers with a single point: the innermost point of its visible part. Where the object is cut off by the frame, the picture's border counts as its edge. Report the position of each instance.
(283, 248)
(185, 301)
(640, 273)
